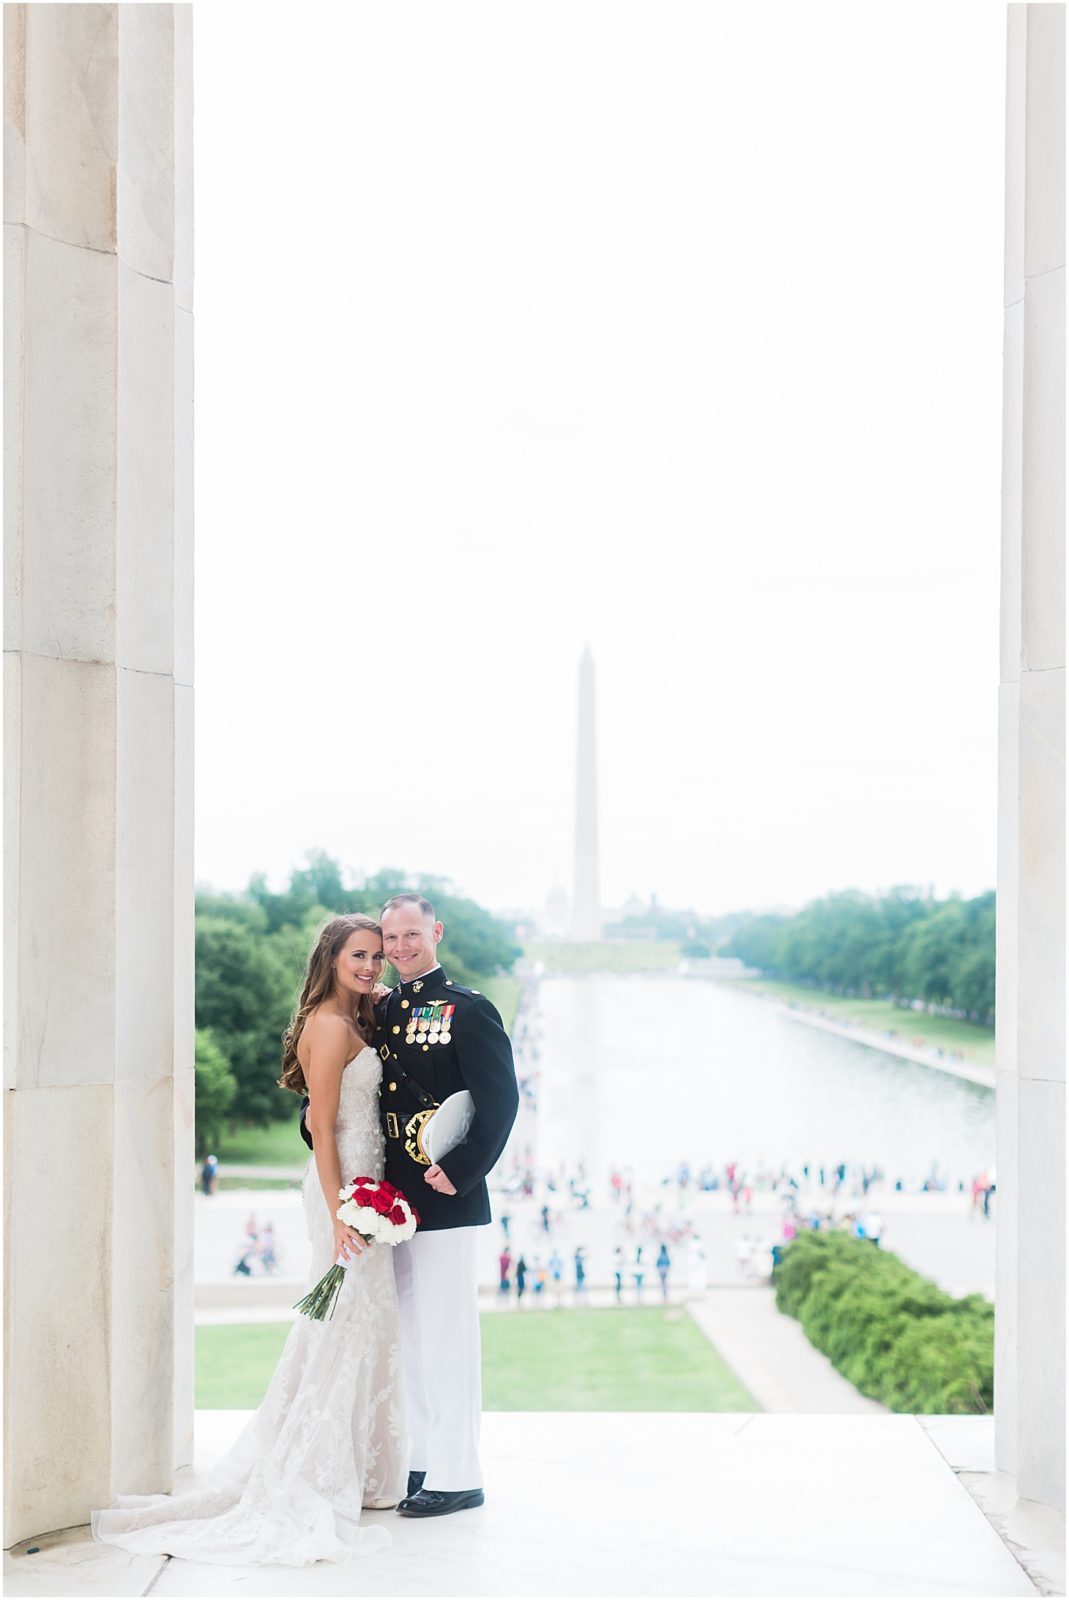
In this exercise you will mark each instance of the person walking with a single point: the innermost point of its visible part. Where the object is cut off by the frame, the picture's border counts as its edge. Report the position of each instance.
(697, 1271)
(504, 1266)
(638, 1272)
(521, 1280)
(664, 1264)
(873, 1224)
(242, 1266)
(208, 1175)
(988, 1192)
(268, 1249)
(979, 1184)
(618, 1272)
(580, 1273)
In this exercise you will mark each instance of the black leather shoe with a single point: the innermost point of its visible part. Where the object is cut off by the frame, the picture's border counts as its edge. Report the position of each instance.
(439, 1502)
(415, 1483)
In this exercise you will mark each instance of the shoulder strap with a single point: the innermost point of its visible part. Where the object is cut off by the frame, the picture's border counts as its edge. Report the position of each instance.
(426, 1100)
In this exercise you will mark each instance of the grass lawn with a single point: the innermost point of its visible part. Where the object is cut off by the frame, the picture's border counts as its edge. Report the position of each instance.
(636, 1359)
(644, 1358)
(977, 1043)
(504, 991)
(277, 1145)
(240, 1181)
(622, 955)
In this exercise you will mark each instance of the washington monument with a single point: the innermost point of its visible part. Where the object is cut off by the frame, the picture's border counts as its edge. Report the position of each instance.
(586, 894)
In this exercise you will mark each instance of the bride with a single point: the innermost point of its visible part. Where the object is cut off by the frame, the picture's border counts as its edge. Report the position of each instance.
(329, 1437)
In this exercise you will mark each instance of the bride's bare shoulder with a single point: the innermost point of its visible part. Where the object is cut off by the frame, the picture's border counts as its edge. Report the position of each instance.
(326, 1033)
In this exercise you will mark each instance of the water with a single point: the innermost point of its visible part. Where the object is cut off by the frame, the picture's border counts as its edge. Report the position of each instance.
(649, 1071)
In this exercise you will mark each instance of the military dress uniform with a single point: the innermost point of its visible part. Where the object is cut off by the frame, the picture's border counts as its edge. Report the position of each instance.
(435, 1038)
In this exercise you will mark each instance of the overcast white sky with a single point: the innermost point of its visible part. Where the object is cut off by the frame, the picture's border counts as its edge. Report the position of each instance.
(671, 328)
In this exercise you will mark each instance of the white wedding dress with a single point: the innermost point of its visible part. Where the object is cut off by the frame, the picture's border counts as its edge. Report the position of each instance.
(330, 1434)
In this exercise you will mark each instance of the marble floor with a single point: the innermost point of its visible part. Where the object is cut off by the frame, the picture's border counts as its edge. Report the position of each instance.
(666, 1504)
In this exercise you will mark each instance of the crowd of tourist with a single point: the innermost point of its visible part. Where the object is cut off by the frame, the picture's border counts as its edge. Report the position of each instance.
(849, 1180)
(258, 1250)
(644, 1241)
(531, 1278)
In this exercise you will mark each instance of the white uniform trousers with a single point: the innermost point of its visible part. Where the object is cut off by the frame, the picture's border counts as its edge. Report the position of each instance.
(437, 1294)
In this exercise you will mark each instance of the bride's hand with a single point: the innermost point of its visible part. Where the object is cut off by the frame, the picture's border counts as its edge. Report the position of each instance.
(379, 992)
(347, 1242)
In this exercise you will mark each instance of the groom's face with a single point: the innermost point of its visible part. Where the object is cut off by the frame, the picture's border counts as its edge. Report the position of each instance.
(410, 939)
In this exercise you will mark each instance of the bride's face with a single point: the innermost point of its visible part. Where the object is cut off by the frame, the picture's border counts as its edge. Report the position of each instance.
(358, 965)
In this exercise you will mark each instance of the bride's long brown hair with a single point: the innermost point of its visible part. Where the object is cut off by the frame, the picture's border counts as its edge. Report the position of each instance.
(332, 938)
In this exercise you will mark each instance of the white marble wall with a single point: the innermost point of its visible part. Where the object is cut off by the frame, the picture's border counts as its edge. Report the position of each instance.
(98, 786)
(1030, 1284)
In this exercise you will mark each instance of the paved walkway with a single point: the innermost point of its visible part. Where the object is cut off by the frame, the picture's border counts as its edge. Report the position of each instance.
(292, 1174)
(769, 1353)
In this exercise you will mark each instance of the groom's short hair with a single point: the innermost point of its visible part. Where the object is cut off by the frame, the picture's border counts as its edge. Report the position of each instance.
(409, 900)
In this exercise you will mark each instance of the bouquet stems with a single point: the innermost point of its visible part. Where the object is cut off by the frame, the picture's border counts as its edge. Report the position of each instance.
(320, 1301)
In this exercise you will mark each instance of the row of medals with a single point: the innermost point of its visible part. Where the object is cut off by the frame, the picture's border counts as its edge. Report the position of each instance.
(433, 1029)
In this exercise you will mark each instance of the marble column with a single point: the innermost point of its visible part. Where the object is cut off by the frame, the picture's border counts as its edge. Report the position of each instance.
(586, 890)
(98, 781)
(1030, 1034)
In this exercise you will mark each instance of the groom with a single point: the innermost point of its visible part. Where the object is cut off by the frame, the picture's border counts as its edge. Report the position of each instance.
(436, 1037)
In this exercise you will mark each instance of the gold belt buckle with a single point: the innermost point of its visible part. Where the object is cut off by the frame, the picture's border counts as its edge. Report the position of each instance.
(393, 1129)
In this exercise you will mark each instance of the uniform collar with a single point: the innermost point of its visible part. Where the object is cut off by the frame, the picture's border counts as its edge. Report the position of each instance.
(407, 986)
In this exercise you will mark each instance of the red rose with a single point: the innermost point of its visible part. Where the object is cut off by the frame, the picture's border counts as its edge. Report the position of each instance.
(397, 1215)
(381, 1202)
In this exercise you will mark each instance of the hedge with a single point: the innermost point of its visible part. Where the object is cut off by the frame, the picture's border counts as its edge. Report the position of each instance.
(897, 1336)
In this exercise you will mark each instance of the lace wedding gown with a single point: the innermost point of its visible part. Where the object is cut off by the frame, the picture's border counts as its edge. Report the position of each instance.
(329, 1436)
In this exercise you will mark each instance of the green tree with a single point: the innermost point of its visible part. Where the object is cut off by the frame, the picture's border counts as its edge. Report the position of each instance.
(476, 942)
(318, 885)
(933, 953)
(757, 942)
(232, 908)
(245, 995)
(216, 1087)
(902, 946)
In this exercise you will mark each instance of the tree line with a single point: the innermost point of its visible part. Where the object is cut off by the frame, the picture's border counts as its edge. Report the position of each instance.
(902, 946)
(251, 952)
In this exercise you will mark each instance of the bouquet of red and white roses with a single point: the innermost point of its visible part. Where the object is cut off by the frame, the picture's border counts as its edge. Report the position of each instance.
(377, 1211)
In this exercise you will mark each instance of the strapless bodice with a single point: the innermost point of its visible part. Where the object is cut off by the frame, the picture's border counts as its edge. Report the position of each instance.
(358, 1131)
(358, 1101)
